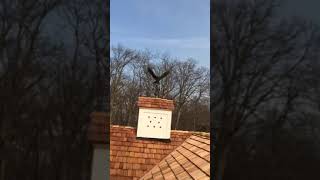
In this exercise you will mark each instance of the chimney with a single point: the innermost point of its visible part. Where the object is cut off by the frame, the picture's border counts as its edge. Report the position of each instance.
(154, 119)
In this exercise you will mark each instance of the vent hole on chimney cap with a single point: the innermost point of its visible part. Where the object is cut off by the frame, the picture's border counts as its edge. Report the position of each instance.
(160, 126)
(150, 121)
(154, 126)
(147, 125)
(158, 122)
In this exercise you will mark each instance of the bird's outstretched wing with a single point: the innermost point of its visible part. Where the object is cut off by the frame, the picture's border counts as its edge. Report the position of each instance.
(164, 74)
(152, 73)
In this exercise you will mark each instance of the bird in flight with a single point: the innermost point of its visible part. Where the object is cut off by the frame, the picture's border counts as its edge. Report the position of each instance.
(157, 78)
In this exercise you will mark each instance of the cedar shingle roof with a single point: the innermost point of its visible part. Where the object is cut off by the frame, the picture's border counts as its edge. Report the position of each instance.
(131, 158)
(157, 103)
(191, 160)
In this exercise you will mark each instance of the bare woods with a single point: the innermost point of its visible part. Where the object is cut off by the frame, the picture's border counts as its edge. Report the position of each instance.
(264, 91)
(187, 85)
(51, 55)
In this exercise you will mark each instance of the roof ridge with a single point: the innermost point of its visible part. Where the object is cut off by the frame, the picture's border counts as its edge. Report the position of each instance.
(121, 126)
(173, 130)
(164, 159)
(199, 140)
(202, 133)
(195, 146)
(177, 150)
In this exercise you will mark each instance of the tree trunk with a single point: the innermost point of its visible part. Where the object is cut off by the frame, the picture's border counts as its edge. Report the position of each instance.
(178, 118)
(194, 124)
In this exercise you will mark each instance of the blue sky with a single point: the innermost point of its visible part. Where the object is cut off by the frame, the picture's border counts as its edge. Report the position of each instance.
(180, 28)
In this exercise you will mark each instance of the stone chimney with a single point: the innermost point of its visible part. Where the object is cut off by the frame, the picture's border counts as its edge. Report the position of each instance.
(154, 119)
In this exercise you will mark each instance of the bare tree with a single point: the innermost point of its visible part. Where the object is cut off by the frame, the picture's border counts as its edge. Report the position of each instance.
(130, 79)
(22, 52)
(187, 81)
(120, 60)
(256, 53)
(48, 86)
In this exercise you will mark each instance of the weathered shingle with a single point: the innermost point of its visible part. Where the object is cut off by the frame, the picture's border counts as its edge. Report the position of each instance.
(131, 157)
(191, 160)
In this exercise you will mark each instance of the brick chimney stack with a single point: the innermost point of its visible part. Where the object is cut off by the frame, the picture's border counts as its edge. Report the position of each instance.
(154, 117)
